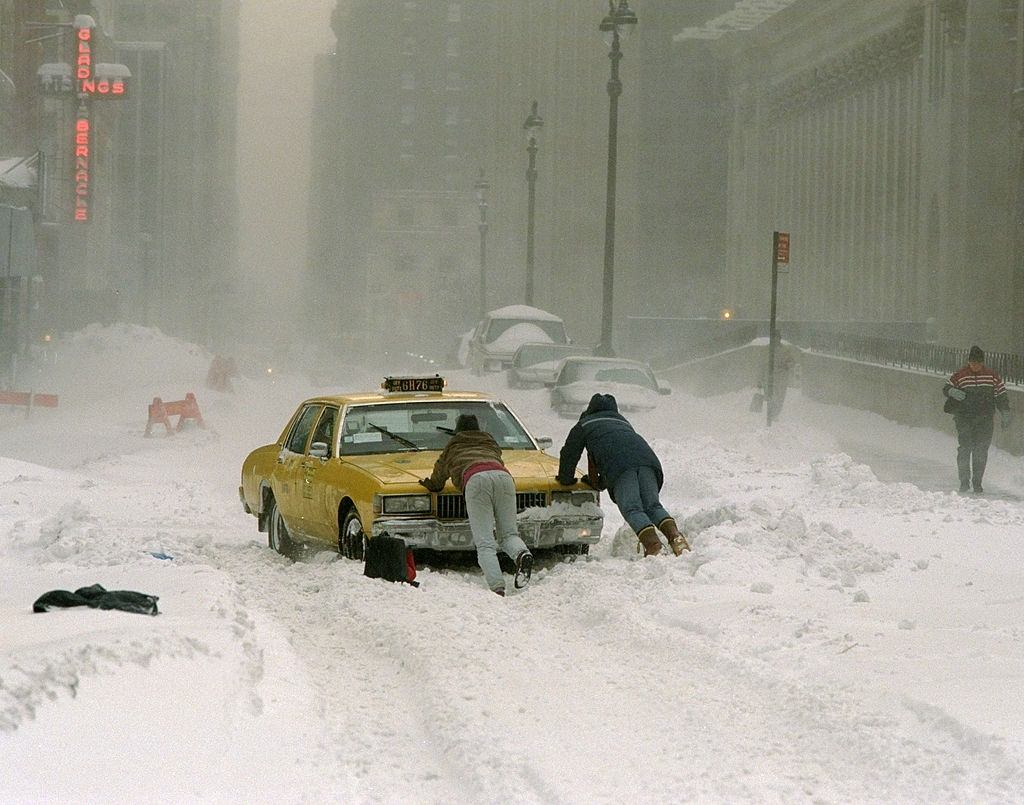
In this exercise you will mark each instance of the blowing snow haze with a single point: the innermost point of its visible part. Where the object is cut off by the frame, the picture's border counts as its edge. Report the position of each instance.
(279, 40)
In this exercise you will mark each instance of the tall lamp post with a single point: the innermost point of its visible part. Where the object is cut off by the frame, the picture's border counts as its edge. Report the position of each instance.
(481, 187)
(615, 27)
(534, 123)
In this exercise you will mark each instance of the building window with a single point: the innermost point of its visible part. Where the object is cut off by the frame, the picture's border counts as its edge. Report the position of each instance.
(450, 216)
(405, 215)
(408, 117)
(455, 12)
(451, 116)
(452, 48)
(408, 81)
(454, 81)
(409, 46)
(409, 10)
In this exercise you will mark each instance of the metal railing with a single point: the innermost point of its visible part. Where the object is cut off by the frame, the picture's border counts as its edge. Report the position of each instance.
(908, 354)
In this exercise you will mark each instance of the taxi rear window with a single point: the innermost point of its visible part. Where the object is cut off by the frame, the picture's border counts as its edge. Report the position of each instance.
(424, 425)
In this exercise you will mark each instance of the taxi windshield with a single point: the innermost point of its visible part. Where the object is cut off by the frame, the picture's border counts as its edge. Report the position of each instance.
(424, 425)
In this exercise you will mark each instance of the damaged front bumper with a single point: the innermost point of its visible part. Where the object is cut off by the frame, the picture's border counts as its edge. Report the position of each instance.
(455, 535)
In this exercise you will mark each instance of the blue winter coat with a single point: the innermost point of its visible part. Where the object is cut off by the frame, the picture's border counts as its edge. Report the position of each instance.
(610, 442)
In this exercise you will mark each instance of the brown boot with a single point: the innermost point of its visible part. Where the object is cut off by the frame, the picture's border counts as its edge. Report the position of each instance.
(676, 539)
(649, 541)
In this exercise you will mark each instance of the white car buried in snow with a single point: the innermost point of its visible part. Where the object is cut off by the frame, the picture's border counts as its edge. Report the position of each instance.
(501, 332)
(579, 378)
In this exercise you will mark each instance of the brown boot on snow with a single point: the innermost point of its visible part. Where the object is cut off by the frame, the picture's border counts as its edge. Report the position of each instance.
(676, 539)
(649, 541)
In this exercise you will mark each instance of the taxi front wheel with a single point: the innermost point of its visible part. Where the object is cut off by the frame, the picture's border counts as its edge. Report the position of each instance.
(350, 543)
(277, 532)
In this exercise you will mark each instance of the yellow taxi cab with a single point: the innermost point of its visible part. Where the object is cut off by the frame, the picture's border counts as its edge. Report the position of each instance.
(346, 468)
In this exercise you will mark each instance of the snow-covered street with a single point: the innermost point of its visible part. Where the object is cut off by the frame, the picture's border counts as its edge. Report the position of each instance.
(831, 638)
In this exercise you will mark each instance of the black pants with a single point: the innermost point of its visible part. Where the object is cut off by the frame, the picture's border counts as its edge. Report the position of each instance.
(974, 435)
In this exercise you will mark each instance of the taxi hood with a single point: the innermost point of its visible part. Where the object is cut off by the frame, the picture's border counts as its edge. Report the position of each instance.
(405, 468)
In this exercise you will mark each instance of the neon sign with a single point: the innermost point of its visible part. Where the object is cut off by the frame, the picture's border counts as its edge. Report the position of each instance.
(83, 134)
(93, 81)
(83, 65)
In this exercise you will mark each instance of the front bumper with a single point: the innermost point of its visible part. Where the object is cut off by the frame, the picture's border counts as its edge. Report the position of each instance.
(455, 535)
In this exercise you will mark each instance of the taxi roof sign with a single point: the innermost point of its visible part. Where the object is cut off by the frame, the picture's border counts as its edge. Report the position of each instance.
(413, 383)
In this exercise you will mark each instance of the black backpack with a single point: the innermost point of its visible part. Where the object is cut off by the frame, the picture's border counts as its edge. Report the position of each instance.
(388, 558)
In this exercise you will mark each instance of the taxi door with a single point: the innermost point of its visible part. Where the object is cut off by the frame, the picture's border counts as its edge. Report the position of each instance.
(288, 480)
(318, 521)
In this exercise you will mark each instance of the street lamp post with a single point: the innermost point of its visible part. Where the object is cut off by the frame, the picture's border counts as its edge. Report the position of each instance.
(616, 26)
(481, 187)
(532, 127)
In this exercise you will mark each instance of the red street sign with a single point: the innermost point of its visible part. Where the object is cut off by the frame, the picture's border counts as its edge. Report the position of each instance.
(781, 247)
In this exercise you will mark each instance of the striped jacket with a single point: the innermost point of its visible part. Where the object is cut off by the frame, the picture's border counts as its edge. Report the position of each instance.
(984, 389)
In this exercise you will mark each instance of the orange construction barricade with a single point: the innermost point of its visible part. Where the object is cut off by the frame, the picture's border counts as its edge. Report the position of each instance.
(29, 399)
(160, 413)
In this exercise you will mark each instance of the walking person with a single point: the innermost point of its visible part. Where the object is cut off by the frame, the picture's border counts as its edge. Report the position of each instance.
(627, 466)
(973, 394)
(472, 459)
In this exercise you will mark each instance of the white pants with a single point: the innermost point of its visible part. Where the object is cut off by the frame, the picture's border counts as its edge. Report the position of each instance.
(491, 500)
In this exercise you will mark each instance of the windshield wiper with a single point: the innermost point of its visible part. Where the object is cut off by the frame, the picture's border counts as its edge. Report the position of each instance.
(394, 436)
(443, 429)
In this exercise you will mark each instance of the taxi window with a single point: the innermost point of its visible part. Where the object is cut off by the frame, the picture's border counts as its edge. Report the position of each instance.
(300, 432)
(424, 425)
(325, 428)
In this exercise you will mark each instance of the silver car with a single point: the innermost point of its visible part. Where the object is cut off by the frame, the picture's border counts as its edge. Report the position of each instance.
(535, 365)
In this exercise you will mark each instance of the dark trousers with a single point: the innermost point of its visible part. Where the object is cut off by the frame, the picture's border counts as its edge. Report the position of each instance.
(974, 435)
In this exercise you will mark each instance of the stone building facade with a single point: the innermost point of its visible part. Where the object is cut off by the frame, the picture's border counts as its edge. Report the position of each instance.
(881, 135)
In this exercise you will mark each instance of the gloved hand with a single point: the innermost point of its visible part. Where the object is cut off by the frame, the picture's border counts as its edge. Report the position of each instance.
(1005, 418)
(426, 482)
(957, 394)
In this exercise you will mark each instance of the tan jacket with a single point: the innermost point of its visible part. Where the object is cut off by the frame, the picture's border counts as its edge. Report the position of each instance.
(465, 449)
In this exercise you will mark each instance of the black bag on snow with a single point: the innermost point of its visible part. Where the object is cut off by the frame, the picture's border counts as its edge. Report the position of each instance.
(387, 558)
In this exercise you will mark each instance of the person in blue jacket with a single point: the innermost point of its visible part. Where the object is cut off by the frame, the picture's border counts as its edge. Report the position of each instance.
(626, 466)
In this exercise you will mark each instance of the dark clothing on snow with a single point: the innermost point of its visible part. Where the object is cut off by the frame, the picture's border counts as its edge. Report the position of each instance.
(610, 441)
(97, 597)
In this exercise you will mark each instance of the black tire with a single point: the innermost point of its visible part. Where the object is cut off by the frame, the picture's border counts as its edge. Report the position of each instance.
(350, 537)
(278, 537)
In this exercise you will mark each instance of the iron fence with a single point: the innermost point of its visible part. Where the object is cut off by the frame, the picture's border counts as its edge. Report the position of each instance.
(909, 354)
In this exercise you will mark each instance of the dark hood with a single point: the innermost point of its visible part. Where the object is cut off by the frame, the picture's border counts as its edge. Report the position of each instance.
(602, 402)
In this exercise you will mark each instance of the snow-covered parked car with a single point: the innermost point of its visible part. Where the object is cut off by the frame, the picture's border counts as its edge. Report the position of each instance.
(500, 333)
(346, 469)
(536, 365)
(632, 383)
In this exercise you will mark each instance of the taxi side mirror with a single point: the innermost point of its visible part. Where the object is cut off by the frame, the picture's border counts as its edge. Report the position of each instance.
(544, 442)
(319, 450)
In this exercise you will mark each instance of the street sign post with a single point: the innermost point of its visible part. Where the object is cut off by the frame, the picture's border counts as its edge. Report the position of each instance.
(780, 254)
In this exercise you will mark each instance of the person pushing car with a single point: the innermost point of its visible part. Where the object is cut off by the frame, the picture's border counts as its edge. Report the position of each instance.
(472, 459)
(627, 466)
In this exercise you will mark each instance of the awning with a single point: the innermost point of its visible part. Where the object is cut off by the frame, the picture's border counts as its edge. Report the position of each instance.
(19, 172)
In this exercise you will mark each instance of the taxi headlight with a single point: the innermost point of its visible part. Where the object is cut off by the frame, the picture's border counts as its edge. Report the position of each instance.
(406, 504)
(576, 497)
